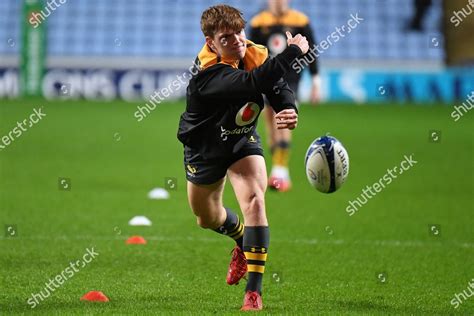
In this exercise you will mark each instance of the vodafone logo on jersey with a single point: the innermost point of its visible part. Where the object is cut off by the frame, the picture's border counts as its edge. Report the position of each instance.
(247, 114)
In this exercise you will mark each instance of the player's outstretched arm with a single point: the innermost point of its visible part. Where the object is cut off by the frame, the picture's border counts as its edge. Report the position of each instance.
(227, 81)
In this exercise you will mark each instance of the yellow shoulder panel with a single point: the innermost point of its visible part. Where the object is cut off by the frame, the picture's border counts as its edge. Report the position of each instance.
(255, 55)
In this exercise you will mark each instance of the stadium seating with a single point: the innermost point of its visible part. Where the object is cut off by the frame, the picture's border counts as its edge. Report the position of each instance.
(170, 28)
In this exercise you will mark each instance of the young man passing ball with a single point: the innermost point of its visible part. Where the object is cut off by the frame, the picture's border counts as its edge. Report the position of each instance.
(218, 131)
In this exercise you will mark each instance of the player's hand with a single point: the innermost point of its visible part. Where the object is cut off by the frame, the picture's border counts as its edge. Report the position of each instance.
(286, 119)
(299, 41)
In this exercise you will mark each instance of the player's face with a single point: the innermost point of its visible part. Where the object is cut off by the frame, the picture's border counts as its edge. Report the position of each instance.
(229, 44)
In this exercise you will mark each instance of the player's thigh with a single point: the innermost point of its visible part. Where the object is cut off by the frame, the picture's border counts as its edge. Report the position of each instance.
(248, 177)
(206, 199)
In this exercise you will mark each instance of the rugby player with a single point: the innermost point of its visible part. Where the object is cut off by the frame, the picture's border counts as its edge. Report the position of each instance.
(218, 131)
(269, 28)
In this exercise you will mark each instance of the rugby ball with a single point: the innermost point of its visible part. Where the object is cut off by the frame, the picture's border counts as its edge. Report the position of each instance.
(326, 164)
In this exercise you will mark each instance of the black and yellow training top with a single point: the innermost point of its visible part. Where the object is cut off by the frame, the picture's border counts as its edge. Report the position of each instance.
(224, 98)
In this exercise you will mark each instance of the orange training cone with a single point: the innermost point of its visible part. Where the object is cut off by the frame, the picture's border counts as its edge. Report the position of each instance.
(95, 296)
(136, 240)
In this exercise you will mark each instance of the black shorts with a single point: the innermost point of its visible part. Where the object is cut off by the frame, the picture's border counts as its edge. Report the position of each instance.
(208, 171)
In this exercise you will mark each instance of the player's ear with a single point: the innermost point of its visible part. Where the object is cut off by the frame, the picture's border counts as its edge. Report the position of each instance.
(210, 43)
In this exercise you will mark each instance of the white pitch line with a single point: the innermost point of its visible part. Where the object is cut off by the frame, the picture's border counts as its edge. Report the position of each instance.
(375, 243)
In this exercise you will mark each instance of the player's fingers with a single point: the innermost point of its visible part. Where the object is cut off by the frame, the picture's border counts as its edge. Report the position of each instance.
(288, 35)
(286, 111)
(285, 124)
(286, 116)
(282, 126)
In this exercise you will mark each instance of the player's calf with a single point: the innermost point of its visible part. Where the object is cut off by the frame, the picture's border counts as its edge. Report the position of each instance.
(254, 209)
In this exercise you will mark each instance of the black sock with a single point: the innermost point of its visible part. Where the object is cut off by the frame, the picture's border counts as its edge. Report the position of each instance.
(232, 227)
(256, 241)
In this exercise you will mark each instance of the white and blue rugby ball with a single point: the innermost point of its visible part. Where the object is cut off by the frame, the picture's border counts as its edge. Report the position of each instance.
(326, 164)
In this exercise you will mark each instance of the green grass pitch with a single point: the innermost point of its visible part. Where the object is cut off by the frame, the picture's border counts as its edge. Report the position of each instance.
(321, 260)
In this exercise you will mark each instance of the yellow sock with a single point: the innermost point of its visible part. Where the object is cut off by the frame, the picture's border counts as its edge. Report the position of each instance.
(281, 154)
